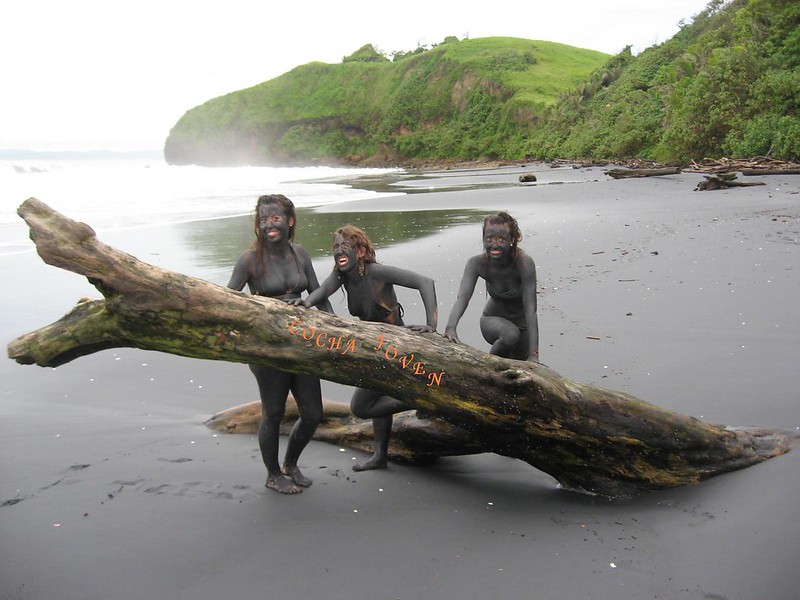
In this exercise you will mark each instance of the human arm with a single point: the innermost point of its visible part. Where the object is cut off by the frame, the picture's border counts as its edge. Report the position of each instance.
(320, 294)
(241, 271)
(313, 283)
(527, 274)
(425, 286)
(465, 290)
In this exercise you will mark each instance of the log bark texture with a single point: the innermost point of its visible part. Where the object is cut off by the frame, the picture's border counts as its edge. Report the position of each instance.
(723, 181)
(588, 438)
(631, 173)
(776, 171)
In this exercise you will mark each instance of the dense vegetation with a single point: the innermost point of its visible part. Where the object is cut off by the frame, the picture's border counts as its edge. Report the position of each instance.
(461, 100)
(727, 84)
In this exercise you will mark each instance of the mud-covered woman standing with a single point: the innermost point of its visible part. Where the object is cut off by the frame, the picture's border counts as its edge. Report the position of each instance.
(277, 268)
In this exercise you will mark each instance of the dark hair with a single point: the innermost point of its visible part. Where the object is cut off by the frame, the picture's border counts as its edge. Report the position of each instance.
(287, 206)
(359, 239)
(503, 218)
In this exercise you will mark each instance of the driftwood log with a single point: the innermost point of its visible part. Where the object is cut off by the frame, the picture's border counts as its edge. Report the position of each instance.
(630, 173)
(414, 440)
(758, 165)
(588, 438)
(775, 171)
(723, 181)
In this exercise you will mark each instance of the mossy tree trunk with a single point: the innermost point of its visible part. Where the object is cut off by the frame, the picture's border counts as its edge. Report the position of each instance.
(588, 438)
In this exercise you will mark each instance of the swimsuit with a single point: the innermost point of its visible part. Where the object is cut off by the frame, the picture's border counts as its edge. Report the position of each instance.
(370, 309)
(293, 291)
(378, 313)
(512, 294)
(374, 311)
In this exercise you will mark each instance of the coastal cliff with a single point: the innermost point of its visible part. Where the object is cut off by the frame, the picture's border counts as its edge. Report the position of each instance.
(726, 85)
(461, 99)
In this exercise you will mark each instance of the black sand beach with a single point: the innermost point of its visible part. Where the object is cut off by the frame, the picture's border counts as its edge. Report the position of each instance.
(112, 487)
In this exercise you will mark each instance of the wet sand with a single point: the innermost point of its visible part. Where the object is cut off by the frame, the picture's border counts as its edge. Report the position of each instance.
(113, 488)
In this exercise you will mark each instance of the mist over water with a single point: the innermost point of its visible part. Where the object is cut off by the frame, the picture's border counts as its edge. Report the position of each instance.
(114, 194)
(192, 220)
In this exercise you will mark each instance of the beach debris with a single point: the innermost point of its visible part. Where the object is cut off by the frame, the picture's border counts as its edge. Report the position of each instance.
(723, 181)
(776, 171)
(759, 165)
(559, 163)
(630, 173)
(413, 440)
(590, 439)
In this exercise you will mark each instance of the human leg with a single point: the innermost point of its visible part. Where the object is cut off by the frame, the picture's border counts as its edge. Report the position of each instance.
(367, 404)
(382, 431)
(502, 334)
(308, 395)
(522, 349)
(273, 388)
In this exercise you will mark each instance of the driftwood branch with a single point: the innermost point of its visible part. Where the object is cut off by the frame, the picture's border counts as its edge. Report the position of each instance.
(775, 171)
(413, 439)
(631, 173)
(723, 181)
(588, 438)
(759, 165)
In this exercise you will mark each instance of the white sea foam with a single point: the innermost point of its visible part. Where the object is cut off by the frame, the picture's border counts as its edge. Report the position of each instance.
(126, 193)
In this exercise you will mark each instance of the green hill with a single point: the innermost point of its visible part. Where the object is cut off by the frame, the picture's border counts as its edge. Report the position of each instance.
(727, 84)
(460, 100)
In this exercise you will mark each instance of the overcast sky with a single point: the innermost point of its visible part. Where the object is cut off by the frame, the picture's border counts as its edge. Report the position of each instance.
(92, 74)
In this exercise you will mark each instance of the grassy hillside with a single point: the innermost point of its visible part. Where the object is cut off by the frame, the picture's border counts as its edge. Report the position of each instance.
(460, 100)
(728, 84)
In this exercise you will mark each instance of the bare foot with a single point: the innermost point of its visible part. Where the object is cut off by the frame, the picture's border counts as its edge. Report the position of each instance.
(372, 463)
(283, 484)
(296, 476)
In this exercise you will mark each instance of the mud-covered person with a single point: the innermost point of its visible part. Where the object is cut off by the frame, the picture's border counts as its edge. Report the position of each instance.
(277, 268)
(509, 321)
(371, 297)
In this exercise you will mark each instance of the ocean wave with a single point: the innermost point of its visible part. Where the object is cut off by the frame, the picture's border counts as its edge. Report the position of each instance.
(139, 192)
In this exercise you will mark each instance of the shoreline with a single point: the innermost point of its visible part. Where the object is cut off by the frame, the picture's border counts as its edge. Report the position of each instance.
(114, 488)
(722, 164)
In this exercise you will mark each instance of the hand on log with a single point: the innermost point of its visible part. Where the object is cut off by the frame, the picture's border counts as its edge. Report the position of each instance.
(588, 438)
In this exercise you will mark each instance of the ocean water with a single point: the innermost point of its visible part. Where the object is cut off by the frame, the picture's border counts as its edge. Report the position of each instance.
(117, 194)
(192, 220)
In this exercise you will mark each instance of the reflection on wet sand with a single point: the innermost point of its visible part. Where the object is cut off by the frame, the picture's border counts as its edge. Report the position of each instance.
(218, 243)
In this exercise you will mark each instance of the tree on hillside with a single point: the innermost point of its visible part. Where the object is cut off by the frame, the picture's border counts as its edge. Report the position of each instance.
(367, 53)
